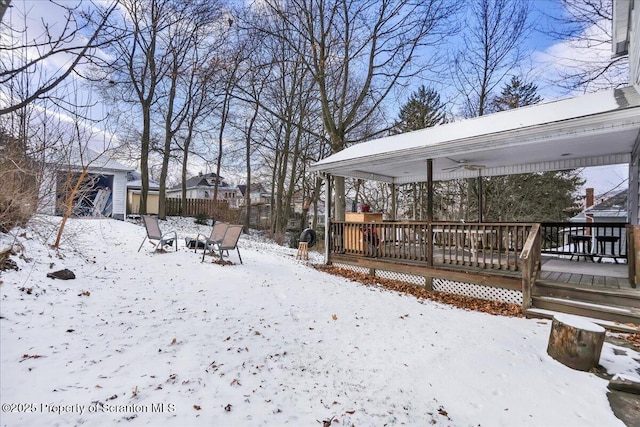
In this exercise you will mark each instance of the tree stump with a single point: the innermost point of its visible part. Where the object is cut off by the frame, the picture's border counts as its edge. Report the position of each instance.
(575, 342)
(303, 251)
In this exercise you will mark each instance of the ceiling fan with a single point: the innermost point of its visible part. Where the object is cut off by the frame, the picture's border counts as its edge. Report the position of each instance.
(464, 164)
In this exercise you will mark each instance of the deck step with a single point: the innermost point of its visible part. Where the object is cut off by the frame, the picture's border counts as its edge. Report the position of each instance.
(604, 296)
(607, 324)
(608, 312)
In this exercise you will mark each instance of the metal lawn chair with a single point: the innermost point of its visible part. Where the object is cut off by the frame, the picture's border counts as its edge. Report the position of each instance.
(216, 236)
(153, 233)
(229, 242)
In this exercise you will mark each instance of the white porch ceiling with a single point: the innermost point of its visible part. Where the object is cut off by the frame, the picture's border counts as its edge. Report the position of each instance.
(590, 130)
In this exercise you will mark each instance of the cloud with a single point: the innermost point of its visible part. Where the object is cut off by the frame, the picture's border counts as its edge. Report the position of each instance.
(563, 65)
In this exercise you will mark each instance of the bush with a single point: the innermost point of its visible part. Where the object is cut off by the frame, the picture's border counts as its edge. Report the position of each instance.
(18, 191)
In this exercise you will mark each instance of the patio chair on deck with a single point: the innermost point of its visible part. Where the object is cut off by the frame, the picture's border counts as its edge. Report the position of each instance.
(153, 233)
(217, 234)
(229, 242)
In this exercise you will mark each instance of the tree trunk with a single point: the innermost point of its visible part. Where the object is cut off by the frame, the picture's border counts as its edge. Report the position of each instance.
(144, 158)
(183, 183)
(247, 221)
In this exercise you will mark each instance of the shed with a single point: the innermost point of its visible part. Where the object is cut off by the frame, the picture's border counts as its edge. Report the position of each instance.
(134, 189)
(102, 193)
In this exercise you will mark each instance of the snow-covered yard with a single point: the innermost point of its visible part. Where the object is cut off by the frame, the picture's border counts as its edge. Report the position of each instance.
(163, 339)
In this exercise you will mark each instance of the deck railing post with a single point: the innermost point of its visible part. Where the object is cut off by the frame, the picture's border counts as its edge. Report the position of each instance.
(531, 261)
(327, 220)
(428, 283)
(429, 242)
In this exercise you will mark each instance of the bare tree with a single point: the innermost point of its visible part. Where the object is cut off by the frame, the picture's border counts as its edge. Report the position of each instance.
(280, 86)
(69, 45)
(201, 104)
(585, 33)
(358, 52)
(35, 98)
(140, 64)
(186, 40)
(490, 50)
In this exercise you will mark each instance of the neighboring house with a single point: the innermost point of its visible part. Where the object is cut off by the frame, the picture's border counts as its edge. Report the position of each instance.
(258, 195)
(299, 204)
(134, 189)
(604, 208)
(202, 187)
(102, 193)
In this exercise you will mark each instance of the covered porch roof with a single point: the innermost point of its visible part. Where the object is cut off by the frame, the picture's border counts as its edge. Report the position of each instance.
(590, 130)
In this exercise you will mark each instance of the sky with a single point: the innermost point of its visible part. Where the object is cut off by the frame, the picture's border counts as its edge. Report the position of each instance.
(162, 339)
(540, 65)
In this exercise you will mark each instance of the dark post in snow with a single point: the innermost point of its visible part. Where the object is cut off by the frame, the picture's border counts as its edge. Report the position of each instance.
(327, 217)
(429, 214)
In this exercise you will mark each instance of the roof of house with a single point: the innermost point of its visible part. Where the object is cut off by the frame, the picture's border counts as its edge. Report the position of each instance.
(87, 156)
(137, 183)
(589, 130)
(614, 206)
(204, 180)
(254, 187)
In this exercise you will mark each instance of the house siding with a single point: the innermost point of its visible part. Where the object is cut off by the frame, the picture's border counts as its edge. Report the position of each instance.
(634, 46)
(119, 194)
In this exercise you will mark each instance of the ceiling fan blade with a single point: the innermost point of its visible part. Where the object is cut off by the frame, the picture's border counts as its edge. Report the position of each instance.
(474, 167)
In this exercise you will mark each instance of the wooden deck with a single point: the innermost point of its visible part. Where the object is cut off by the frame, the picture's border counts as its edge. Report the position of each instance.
(500, 256)
(585, 273)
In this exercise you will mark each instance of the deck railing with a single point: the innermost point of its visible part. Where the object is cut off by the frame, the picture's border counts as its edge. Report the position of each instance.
(483, 245)
(486, 245)
(590, 240)
(531, 264)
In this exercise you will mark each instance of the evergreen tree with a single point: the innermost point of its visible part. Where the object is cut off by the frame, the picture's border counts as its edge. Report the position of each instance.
(542, 196)
(422, 110)
(516, 94)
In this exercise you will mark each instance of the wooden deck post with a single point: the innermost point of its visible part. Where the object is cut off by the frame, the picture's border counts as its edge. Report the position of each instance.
(327, 219)
(429, 251)
(428, 282)
(531, 265)
(393, 202)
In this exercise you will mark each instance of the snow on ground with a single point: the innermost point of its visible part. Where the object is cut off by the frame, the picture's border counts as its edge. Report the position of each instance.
(163, 339)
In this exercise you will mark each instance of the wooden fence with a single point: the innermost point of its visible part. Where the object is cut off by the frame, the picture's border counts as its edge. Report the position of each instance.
(195, 207)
